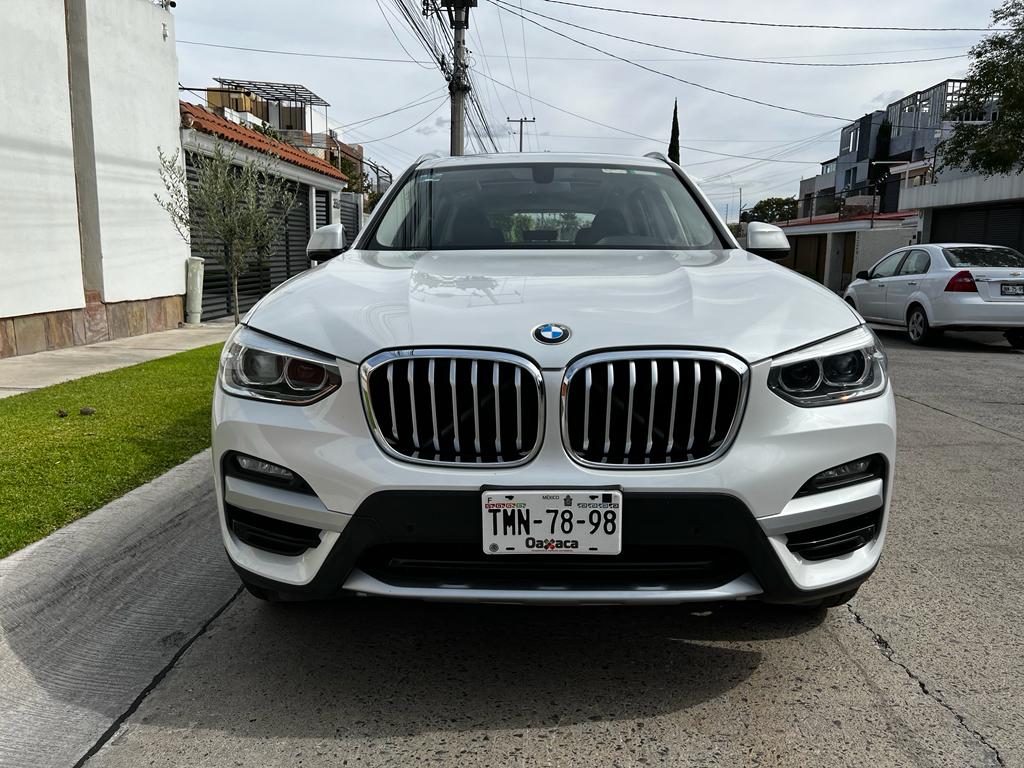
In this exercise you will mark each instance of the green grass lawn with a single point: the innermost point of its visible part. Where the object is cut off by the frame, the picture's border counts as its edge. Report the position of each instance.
(149, 418)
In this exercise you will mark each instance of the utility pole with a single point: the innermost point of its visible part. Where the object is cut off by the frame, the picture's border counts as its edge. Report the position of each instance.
(521, 120)
(741, 203)
(458, 83)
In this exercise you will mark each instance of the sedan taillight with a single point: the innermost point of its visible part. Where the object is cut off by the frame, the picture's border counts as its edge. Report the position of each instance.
(962, 282)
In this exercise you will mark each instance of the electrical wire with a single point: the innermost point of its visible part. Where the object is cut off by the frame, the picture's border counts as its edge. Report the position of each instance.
(638, 135)
(529, 87)
(409, 128)
(398, 39)
(776, 24)
(420, 100)
(691, 83)
(302, 53)
(741, 59)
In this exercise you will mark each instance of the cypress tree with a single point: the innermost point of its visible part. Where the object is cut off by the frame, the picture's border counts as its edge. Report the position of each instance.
(673, 143)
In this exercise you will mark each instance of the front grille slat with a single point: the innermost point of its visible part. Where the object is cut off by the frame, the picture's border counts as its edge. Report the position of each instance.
(672, 411)
(650, 414)
(473, 370)
(455, 407)
(670, 408)
(693, 408)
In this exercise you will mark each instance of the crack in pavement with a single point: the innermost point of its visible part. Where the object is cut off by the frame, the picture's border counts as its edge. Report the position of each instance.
(962, 418)
(115, 726)
(890, 654)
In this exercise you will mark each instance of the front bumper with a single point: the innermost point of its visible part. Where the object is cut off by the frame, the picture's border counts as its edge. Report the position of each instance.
(712, 532)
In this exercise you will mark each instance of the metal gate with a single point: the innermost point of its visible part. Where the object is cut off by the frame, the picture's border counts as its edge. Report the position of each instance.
(287, 258)
(989, 225)
(350, 214)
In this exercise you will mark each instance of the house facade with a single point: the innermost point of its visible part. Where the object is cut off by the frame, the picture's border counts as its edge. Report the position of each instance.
(881, 191)
(317, 186)
(86, 253)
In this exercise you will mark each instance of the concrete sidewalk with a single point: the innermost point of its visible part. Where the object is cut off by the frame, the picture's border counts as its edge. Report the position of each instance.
(28, 372)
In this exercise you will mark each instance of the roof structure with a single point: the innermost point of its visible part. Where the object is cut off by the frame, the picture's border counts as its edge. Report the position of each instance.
(204, 121)
(275, 91)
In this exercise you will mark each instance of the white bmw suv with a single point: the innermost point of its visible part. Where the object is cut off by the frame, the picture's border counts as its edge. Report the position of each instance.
(553, 379)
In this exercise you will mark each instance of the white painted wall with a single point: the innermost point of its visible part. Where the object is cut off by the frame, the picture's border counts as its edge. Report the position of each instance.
(133, 76)
(40, 256)
(963, 191)
(873, 244)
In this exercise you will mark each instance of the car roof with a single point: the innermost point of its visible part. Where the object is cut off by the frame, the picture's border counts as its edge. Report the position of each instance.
(553, 158)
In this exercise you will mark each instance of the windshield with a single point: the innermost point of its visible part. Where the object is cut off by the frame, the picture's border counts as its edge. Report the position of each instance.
(544, 205)
(984, 256)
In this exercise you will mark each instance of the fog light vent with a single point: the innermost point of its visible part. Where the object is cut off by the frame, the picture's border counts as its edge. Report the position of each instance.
(857, 471)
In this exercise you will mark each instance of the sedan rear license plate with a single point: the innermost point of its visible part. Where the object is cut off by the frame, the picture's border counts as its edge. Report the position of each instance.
(1012, 289)
(552, 522)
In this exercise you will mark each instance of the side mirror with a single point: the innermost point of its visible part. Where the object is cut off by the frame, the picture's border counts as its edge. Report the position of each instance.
(767, 240)
(326, 242)
(863, 275)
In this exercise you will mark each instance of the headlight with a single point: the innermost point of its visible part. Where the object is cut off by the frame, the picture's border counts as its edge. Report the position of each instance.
(262, 368)
(848, 367)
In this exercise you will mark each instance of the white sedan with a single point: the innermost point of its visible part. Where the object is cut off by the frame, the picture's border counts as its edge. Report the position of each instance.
(945, 287)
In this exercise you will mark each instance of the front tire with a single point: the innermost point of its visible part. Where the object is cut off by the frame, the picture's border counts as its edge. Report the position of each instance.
(919, 330)
(1016, 339)
(260, 593)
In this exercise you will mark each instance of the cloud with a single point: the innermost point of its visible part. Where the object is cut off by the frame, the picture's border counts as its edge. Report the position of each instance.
(887, 97)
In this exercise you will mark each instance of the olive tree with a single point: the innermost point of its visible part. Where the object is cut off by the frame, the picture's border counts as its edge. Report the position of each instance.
(241, 205)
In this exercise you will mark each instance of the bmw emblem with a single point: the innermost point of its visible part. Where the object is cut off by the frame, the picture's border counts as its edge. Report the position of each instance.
(551, 333)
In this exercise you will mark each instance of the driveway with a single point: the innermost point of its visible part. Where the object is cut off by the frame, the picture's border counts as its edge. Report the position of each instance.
(923, 669)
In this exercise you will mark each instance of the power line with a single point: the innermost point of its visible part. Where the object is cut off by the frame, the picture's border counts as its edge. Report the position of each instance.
(397, 38)
(417, 123)
(744, 60)
(302, 53)
(420, 100)
(526, 66)
(672, 59)
(776, 24)
(691, 83)
(640, 135)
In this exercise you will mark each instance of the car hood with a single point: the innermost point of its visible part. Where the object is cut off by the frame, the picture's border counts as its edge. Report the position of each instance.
(363, 302)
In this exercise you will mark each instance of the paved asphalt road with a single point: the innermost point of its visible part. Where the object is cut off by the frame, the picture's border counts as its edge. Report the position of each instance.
(923, 669)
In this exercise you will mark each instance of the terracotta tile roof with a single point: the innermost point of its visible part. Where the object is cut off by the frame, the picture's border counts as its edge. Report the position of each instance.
(201, 119)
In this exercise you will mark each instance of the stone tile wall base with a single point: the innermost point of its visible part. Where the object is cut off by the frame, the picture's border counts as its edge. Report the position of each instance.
(97, 321)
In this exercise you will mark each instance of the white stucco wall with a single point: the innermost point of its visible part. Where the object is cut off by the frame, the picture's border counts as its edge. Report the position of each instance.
(873, 244)
(40, 256)
(133, 77)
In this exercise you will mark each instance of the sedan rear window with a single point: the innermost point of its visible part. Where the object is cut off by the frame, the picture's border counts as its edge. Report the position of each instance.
(544, 205)
(983, 256)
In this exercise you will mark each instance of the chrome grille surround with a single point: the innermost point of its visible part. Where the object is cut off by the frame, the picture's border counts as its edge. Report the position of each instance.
(693, 391)
(425, 387)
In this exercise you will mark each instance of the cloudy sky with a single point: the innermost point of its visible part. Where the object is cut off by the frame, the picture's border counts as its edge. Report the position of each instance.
(553, 73)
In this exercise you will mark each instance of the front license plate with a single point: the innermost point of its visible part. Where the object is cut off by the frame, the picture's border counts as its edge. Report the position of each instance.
(1012, 289)
(552, 522)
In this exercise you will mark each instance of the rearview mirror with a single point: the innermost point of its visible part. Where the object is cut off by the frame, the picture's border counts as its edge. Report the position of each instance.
(863, 275)
(767, 240)
(326, 242)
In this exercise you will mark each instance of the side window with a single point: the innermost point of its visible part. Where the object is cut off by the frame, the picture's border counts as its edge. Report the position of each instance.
(917, 263)
(887, 266)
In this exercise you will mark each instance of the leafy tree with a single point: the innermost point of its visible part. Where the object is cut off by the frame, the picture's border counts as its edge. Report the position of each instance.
(996, 76)
(242, 205)
(773, 209)
(673, 142)
(269, 131)
(358, 181)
